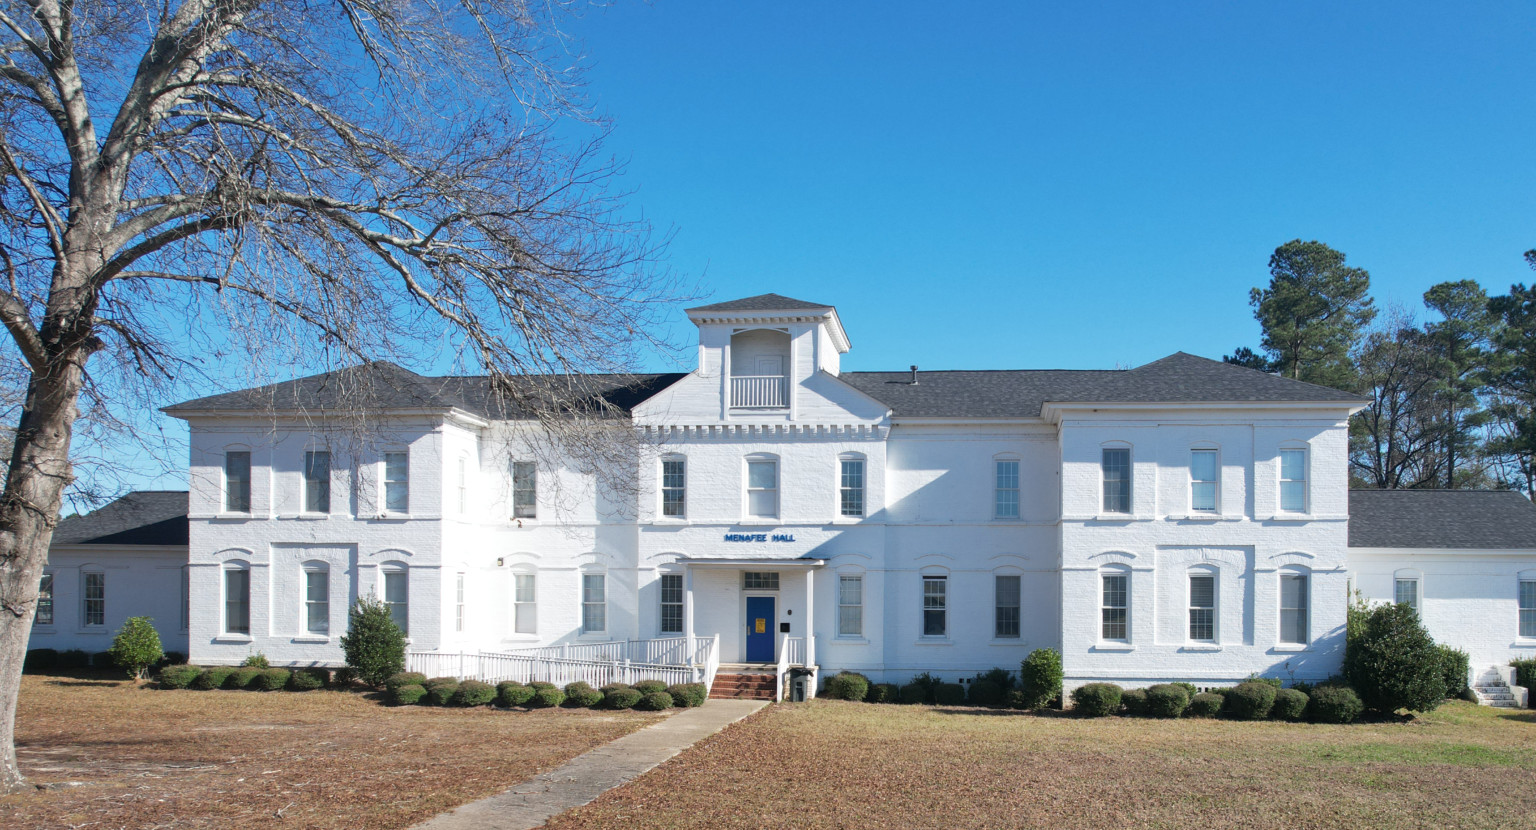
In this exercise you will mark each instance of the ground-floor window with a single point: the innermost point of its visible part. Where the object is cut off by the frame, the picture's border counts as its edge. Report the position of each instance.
(458, 603)
(1202, 608)
(1114, 614)
(237, 601)
(1406, 592)
(317, 600)
(1006, 598)
(94, 611)
(525, 609)
(397, 598)
(850, 606)
(1528, 608)
(594, 603)
(45, 600)
(1293, 608)
(672, 603)
(935, 605)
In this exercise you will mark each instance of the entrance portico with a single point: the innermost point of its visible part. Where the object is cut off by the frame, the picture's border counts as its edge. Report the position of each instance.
(763, 609)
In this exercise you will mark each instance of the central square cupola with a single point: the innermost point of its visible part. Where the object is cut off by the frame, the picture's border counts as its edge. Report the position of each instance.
(764, 347)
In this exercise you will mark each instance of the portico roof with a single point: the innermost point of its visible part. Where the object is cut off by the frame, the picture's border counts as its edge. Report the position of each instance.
(795, 561)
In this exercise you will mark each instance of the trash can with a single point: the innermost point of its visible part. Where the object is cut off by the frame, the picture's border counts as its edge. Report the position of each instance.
(800, 685)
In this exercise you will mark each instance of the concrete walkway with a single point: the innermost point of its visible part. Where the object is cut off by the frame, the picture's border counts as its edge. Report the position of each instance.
(588, 776)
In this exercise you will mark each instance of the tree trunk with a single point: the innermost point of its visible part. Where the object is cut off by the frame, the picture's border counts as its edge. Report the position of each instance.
(29, 510)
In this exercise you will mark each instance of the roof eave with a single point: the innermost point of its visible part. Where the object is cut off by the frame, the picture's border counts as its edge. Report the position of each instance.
(1053, 410)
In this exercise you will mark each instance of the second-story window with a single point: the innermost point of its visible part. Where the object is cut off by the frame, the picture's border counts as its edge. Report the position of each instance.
(525, 490)
(1293, 481)
(1115, 469)
(317, 481)
(674, 488)
(1202, 481)
(237, 481)
(1006, 501)
(763, 489)
(463, 486)
(851, 487)
(397, 482)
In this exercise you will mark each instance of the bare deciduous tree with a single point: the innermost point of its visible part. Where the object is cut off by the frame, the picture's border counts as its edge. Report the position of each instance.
(325, 181)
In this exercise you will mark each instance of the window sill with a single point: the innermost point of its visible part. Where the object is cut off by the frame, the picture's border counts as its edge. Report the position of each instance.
(94, 632)
(304, 517)
(43, 629)
(675, 521)
(521, 638)
(1205, 517)
(759, 521)
(850, 641)
(934, 641)
(1289, 648)
(233, 517)
(1201, 647)
(847, 520)
(593, 635)
(1292, 517)
(234, 638)
(1114, 517)
(1117, 647)
(392, 517)
(519, 521)
(312, 638)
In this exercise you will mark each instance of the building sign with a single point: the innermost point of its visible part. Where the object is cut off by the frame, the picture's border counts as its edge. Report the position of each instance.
(759, 537)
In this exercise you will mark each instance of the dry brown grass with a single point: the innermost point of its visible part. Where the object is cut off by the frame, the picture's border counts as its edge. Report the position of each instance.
(182, 759)
(837, 764)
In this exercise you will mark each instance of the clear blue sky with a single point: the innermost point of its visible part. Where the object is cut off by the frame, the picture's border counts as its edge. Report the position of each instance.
(1068, 185)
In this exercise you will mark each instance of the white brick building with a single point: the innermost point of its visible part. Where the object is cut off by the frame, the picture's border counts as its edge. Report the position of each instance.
(1185, 520)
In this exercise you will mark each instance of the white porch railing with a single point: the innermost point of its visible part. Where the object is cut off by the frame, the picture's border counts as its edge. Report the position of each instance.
(595, 663)
(792, 653)
(759, 391)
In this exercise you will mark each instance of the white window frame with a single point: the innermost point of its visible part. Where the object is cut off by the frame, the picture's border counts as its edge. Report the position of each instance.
(1305, 481)
(397, 574)
(86, 599)
(1107, 610)
(998, 607)
(674, 487)
(395, 483)
(1415, 587)
(231, 489)
(935, 603)
(525, 604)
(1214, 482)
(186, 597)
(1525, 603)
(850, 605)
(1200, 612)
(45, 590)
(227, 620)
(1104, 481)
(463, 485)
(525, 481)
(1304, 610)
(594, 612)
(852, 486)
(772, 462)
(317, 489)
(676, 607)
(1005, 488)
(458, 602)
(310, 604)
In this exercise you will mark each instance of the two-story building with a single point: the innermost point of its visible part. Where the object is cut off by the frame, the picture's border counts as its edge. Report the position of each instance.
(1183, 520)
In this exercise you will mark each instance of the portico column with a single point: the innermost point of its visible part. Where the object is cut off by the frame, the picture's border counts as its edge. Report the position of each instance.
(688, 608)
(810, 616)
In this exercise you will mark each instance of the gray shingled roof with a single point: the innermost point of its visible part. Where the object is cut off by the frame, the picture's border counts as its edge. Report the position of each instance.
(1455, 519)
(143, 517)
(1178, 378)
(763, 302)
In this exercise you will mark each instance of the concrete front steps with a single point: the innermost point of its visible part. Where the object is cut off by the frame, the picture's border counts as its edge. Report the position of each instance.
(1494, 687)
(745, 686)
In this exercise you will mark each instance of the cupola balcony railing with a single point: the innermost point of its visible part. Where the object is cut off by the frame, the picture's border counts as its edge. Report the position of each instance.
(759, 392)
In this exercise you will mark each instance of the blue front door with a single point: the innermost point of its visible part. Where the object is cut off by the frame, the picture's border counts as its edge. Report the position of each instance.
(760, 625)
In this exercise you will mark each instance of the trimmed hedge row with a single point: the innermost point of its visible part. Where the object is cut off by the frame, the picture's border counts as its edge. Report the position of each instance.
(253, 678)
(407, 689)
(1250, 700)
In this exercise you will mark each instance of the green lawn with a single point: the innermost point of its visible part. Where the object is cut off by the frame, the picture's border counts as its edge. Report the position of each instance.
(837, 764)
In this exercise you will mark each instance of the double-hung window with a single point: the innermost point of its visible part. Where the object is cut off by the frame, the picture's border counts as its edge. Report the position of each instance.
(45, 601)
(1114, 612)
(237, 601)
(397, 598)
(317, 601)
(1406, 592)
(1115, 469)
(397, 482)
(317, 481)
(1203, 477)
(674, 488)
(1006, 600)
(458, 603)
(1528, 608)
(850, 606)
(763, 488)
(95, 596)
(1202, 608)
(851, 487)
(1293, 481)
(525, 490)
(463, 488)
(1293, 608)
(1006, 492)
(935, 606)
(525, 608)
(594, 603)
(671, 603)
(237, 481)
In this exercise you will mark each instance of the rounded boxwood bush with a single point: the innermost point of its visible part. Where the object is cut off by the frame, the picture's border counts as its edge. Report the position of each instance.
(546, 696)
(608, 687)
(1334, 704)
(309, 679)
(883, 693)
(212, 677)
(1134, 701)
(1040, 677)
(407, 695)
(344, 677)
(949, 694)
(271, 680)
(913, 693)
(986, 693)
(624, 698)
(242, 677)
(405, 678)
(1249, 700)
(646, 687)
(1017, 699)
(40, 660)
(1290, 704)
(848, 685)
(512, 693)
(1166, 700)
(474, 693)
(688, 695)
(441, 692)
(654, 702)
(1189, 689)
(136, 648)
(541, 684)
(581, 695)
(178, 677)
(1095, 700)
(1204, 705)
